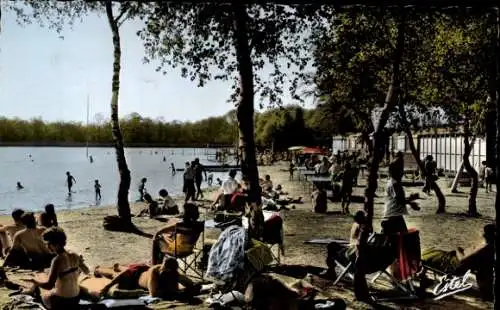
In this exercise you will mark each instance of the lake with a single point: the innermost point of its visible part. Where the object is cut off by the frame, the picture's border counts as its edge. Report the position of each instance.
(44, 180)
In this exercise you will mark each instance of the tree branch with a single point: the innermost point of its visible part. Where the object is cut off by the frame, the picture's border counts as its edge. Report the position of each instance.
(125, 9)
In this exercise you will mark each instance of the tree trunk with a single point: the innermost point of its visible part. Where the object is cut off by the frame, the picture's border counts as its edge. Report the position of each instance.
(494, 94)
(473, 174)
(435, 187)
(244, 115)
(360, 285)
(124, 186)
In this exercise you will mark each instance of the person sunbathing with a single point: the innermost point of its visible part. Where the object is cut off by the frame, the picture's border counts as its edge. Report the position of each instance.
(7, 232)
(28, 250)
(480, 261)
(61, 290)
(167, 233)
(160, 280)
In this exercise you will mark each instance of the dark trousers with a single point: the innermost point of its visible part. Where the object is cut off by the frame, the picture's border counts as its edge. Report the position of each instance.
(189, 190)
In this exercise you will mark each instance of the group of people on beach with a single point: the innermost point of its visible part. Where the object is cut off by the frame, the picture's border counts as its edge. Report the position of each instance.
(479, 261)
(37, 246)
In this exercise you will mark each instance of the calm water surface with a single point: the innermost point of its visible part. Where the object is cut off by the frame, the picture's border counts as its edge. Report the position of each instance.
(44, 180)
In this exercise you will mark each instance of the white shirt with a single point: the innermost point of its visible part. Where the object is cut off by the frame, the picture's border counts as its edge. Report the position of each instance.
(229, 186)
(396, 204)
(166, 202)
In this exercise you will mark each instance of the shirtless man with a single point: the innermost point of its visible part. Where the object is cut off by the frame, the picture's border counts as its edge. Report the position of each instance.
(28, 247)
(7, 232)
(160, 280)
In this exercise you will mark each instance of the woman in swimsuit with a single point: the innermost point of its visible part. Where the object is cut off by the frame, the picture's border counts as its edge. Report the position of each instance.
(61, 290)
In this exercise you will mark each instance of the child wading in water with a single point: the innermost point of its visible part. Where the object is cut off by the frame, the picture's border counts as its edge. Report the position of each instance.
(97, 188)
(70, 180)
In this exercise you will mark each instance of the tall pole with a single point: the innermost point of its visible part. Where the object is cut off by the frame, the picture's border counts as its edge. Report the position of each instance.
(87, 129)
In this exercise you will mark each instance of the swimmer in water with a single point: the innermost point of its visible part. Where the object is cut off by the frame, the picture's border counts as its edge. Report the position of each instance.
(19, 186)
(97, 188)
(70, 180)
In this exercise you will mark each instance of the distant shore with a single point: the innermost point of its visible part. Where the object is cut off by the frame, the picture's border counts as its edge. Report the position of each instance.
(110, 144)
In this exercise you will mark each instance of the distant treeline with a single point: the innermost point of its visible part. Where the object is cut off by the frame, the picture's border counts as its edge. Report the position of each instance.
(278, 128)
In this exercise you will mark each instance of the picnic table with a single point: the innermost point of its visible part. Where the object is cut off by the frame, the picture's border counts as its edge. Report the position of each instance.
(321, 179)
(385, 171)
(308, 173)
(244, 220)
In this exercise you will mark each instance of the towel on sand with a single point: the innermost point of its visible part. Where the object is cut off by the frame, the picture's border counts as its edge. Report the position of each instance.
(227, 256)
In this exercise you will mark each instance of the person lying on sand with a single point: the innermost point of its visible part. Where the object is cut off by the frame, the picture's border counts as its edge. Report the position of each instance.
(480, 261)
(166, 234)
(160, 280)
(28, 250)
(7, 232)
(61, 289)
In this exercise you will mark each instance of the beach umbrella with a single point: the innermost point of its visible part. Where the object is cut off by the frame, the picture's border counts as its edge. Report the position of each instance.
(296, 148)
(313, 151)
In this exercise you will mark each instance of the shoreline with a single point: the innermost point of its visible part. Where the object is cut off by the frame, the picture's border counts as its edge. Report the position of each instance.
(86, 236)
(111, 145)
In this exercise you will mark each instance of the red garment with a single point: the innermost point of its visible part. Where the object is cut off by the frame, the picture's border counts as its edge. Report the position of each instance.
(135, 270)
(238, 201)
(408, 261)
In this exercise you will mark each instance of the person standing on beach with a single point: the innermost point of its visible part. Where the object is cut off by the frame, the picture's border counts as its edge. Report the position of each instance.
(97, 188)
(70, 180)
(142, 189)
(172, 167)
(199, 170)
(189, 185)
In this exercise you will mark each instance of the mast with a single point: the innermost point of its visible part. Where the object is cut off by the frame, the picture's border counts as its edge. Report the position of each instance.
(87, 131)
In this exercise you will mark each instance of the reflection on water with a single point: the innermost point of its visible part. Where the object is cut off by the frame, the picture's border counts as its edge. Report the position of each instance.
(43, 174)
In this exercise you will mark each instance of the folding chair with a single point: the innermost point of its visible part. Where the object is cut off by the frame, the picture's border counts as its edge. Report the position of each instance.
(385, 254)
(184, 247)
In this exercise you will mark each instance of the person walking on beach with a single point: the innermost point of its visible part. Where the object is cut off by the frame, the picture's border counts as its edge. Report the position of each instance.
(142, 189)
(189, 185)
(97, 188)
(430, 168)
(70, 180)
(199, 170)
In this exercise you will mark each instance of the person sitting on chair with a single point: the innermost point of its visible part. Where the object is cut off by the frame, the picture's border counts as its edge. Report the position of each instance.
(161, 280)
(166, 234)
(345, 253)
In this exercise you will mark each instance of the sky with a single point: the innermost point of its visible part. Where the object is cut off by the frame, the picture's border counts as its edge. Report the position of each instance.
(42, 75)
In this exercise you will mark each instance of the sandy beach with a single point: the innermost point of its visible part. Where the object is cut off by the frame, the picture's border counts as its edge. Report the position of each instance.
(447, 231)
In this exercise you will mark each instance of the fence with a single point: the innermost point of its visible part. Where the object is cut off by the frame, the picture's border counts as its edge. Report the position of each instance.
(448, 150)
